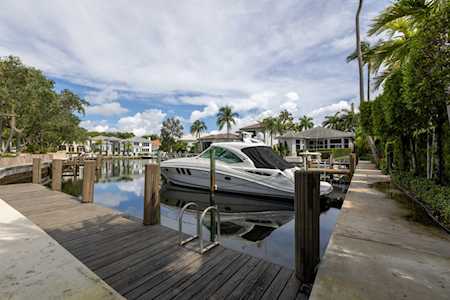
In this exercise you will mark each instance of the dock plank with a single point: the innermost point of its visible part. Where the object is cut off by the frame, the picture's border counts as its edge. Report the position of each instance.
(145, 262)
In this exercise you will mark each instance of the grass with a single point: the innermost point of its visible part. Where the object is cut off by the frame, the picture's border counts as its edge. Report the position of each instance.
(435, 197)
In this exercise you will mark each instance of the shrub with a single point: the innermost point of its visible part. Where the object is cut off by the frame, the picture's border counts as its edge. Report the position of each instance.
(434, 196)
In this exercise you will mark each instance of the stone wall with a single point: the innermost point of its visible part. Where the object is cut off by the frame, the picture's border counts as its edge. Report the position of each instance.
(24, 159)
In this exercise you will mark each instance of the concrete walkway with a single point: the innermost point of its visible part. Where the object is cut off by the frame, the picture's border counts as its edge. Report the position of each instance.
(378, 252)
(35, 266)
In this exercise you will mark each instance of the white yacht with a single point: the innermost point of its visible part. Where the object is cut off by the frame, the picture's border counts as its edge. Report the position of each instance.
(240, 168)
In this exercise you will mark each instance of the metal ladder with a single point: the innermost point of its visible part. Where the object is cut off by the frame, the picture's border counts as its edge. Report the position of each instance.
(211, 245)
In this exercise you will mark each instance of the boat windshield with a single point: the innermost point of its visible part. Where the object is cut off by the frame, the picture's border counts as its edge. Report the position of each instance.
(222, 155)
(265, 158)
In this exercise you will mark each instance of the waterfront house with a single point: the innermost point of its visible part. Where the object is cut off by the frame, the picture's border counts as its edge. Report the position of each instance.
(207, 140)
(189, 139)
(257, 131)
(108, 145)
(316, 139)
(140, 146)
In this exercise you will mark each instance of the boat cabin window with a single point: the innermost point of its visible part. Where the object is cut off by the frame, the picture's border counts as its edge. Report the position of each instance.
(264, 158)
(222, 155)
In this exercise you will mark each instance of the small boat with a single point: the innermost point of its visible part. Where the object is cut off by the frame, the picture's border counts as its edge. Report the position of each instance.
(241, 168)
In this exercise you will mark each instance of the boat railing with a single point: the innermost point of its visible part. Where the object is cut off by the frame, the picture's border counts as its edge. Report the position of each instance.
(202, 249)
(180, 224)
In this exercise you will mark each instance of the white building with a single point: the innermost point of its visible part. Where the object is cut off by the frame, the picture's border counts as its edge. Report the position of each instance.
(140, 146)
(190, 140)
(318, 138)
(257, 131)
(107, 145)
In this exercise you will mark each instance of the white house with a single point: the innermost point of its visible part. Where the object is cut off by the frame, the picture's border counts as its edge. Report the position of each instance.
(257, 131)
(107, 145)
(140, 146)
(189, 139)
(318, 138)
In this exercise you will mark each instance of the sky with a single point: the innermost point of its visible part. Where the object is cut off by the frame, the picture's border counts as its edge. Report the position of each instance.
(139, 62)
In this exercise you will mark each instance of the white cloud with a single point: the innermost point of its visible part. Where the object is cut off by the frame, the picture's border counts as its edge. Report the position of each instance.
(292, 96)
(320, 113)
(106, 95)
(209, 110)
(100, 126)
(106, 109)
(257, 56)
(146, 122)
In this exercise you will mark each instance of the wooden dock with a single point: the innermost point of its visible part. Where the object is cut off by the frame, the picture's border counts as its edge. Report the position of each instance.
(145, 262)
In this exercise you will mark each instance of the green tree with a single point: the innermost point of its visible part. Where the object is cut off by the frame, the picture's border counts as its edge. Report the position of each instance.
(226, 117)
(305, 123)
(270, 125)
(43, 118)
(332, 122)
(197, 128)
(171, 130)
(367, 56)
(358, 50)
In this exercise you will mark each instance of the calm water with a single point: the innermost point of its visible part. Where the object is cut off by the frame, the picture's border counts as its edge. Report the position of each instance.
(260, 227)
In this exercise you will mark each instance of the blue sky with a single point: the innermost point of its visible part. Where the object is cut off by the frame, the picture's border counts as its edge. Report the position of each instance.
(139, 62)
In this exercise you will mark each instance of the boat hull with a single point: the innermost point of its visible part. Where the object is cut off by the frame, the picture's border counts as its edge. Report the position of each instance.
(198, 178)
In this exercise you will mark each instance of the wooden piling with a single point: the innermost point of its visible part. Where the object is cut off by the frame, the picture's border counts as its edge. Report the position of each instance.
(151, 195)
(212, 190)
(37, 170)
(98, 161)
(307, 224)
(57, 167)
(88, 181)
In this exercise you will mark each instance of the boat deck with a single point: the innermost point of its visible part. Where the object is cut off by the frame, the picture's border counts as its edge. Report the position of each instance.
(145, 262)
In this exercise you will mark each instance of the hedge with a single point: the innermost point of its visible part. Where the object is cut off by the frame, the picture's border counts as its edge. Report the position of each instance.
(435, 197)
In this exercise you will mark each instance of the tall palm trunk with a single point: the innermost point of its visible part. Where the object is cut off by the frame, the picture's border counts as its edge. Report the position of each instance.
(11, 132)
(448, 112)
(368, 81)
(412, 146)
(358, 49)
(428, 154)
(440, 171)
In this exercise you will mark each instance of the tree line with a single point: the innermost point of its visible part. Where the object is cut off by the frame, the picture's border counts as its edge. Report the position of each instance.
(408, 120)
(33, 116)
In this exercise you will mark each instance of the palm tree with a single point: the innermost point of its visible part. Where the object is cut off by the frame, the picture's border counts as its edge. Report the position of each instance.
(399, 23)
(197, 128)
(358, 49)
(332, 122)
(305, 122)
(367, 55)
(226, 117)
(270, 125)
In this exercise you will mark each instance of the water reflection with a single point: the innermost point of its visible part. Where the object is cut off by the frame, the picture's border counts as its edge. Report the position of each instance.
(261, 227)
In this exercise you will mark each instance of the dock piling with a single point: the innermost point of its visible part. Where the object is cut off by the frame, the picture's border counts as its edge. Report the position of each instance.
(307, 224)
(212, 201)
(151, 195)
(57, 167)
(88, 181)
(37, 170)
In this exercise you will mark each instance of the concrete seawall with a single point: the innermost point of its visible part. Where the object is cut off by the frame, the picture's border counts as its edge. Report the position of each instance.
(378, 250)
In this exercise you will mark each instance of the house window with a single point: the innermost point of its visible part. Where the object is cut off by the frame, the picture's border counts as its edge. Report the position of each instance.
(136, 143)
(346, 143)
(298, 145)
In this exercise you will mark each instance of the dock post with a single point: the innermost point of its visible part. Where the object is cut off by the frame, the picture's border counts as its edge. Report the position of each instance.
(57, 167)
(37, 170)
(88, 181)
(212, 201)
(307, 224)
(152, 213)
(352, 164)
(98, 161)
